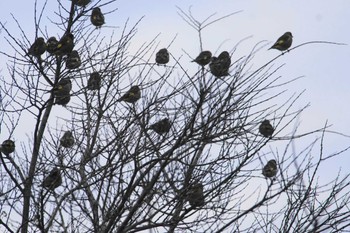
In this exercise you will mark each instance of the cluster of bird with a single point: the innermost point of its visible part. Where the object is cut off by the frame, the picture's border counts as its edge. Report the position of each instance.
(54, 179)
(218, 66)
(64, 47)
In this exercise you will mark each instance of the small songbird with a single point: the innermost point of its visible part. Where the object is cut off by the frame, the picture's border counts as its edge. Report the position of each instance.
(97, 18)
(220, 65)
(270, 169)
(94, 82)
(67, 140)
(203, 58)
(62, 100)
(195, 195)
(65, 45)
(162, 56)
(53, 180)
(8, 146)
(38, 47)
(132, 95)
(63, 87)
(215, 67)
(225, 60)
(73, 60)
(81, 3)
(51, 44)
(266, 128)
(284, 42)
(162, 126)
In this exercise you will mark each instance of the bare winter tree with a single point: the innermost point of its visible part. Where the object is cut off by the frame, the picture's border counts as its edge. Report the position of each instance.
(122, 142)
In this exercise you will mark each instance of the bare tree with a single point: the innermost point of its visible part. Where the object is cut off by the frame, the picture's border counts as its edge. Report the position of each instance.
(119, 143)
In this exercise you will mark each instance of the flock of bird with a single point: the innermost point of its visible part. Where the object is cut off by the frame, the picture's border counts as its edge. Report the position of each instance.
(218, 66)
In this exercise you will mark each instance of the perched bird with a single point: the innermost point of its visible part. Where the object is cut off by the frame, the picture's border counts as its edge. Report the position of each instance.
(65, 45)
(63, 87)
(53, 180)
(97, 18)
(270, 169)
(132, 95)
(284, 42)
(62, 100)
(225, 59)
(8, 146)
(51, 44)
(82, 3)
(38, 47)
(266, 128)
(94, 82)
(67, 140)
(162, 126)
(162, 56)
(203, 58)
(195, 195)
(73, 60)
(220, 65)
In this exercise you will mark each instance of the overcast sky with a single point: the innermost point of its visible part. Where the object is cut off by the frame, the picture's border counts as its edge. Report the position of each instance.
(325, 67)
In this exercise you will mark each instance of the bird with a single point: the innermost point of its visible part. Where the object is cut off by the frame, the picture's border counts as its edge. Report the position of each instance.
(67, 140)
(162, 56)
(53, 180)
(8, 146)
(162, 126)
(82, 3)
(65, 45)
(73, 60)
(203, 58)
(195, 195)
(97, 18)
(266, 128)
(63, 87)
(132, 95)
(270, 169)
(51, 44)
(94, 82)
(38, 47)
(62, 100)
(225, 59)
(284, 42)
(220, 65)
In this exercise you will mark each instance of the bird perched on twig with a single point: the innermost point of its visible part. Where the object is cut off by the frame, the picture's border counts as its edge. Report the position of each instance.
(225, 59)
(195, 195)
(7, 146)
(284, 42)
(67, 140)
(63, 87)
(62, 100)
(62, 90)
(53, 180)
(220, 65)
(162, 56)
(73, 60)
(51, 44)
(132, 95)
(38, 47)
(162, 126)
(94, 82)
(270, 169)
(266, 128)
(81, 3)
(65, 45)
(203, 58)
(97, 18)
